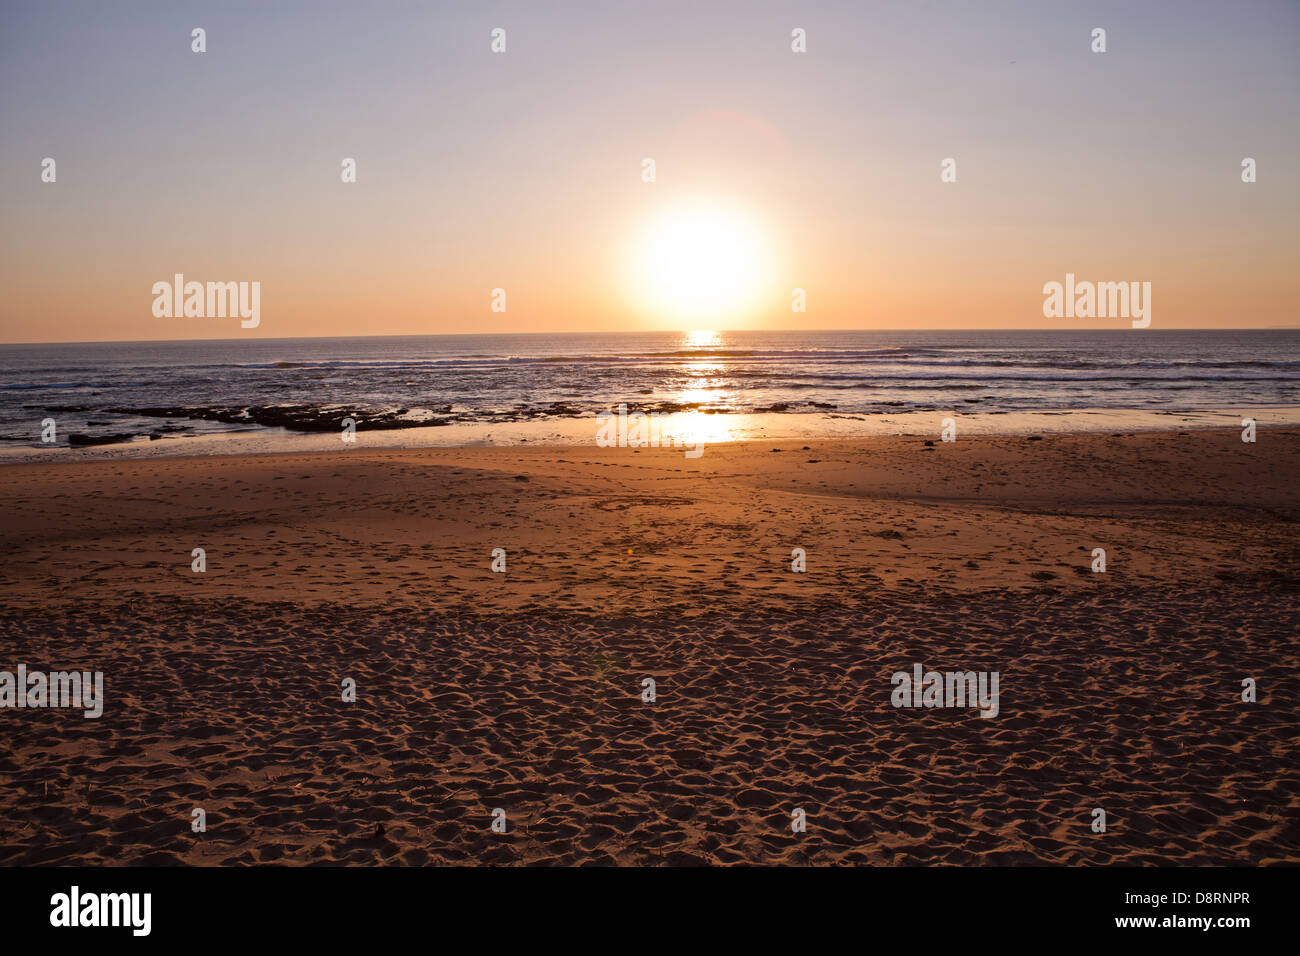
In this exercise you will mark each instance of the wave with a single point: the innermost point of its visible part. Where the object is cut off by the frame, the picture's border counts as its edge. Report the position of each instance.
(906, 357)
(487, 378)
(27, 386)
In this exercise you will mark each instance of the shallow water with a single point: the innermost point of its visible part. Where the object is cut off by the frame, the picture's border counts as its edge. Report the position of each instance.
(492, 388)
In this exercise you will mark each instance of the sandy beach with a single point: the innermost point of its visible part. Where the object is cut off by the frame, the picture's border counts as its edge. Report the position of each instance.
(522, 691)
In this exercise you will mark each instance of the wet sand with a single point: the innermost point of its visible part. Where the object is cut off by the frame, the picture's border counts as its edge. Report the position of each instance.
(522, 691)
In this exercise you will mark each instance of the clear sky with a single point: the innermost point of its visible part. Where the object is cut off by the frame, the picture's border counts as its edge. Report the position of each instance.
(523, 170)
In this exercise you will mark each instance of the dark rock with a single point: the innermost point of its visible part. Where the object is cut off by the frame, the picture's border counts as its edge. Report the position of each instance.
(76, 438)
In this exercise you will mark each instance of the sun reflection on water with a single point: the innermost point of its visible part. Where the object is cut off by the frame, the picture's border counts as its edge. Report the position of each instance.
(707, 388)
(701, 339)
(697, 428)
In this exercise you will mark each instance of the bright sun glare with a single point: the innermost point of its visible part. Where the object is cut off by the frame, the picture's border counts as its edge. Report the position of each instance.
(700, 262)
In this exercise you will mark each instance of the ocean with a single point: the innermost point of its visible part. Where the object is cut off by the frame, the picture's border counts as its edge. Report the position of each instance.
(137, 392)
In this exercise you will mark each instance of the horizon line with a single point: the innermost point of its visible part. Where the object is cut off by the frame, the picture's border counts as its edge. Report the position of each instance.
(448, 335)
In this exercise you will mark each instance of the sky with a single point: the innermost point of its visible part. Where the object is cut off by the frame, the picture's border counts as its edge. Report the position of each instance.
(523, 170)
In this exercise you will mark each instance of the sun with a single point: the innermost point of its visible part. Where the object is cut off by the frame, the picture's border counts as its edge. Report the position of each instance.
(700, 261)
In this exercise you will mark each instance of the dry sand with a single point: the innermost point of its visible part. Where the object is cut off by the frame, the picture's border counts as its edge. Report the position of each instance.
(521, 690)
